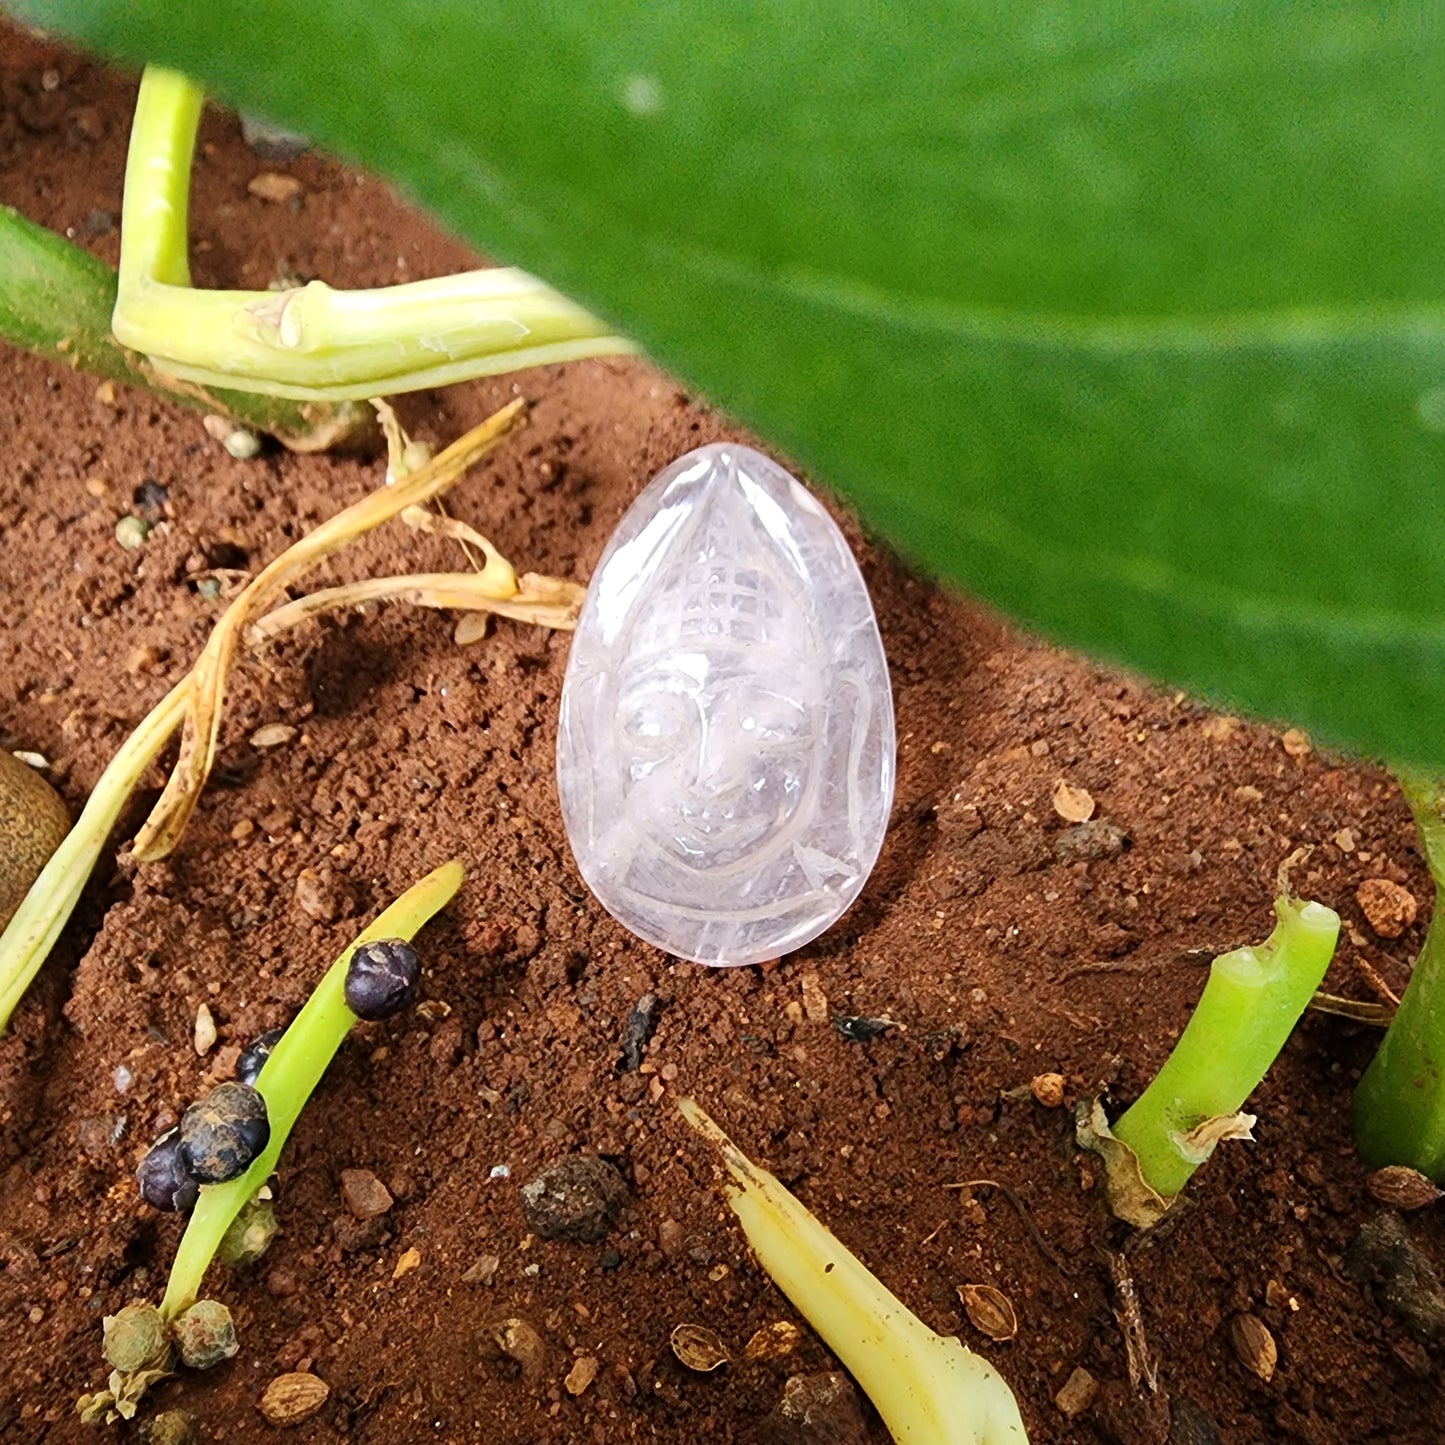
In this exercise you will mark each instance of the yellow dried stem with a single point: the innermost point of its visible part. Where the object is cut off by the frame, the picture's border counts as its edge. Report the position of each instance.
(163, 829)
(554, 605)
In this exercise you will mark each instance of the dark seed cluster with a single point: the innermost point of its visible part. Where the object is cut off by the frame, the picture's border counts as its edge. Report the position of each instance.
(218, 1139)
(382, 978)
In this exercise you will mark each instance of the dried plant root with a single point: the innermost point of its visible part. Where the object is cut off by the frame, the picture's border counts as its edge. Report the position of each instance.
(163, 829)
(546, 601)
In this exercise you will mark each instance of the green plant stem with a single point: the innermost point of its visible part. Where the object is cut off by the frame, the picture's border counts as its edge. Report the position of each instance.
(311, 342)
(294, 1069)
(1253, 998)
(928, 1388)
(1400, 1102)
(31, 934)
(56, 300)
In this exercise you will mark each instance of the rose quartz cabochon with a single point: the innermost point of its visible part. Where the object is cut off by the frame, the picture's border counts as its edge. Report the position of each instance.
(725, 752)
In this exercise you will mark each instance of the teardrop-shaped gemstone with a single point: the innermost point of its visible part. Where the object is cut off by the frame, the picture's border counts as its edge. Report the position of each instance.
(725, 752)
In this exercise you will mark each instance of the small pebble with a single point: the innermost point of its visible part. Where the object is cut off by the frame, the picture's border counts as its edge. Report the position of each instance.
(1077, 1393)
(638, 1029)
(1389, 909)
(204, 1036)
(317, 897)
(270, 142)
(1384, 1255)
(1087, 842)
(242, 443)
(582, 1374)
(274, 188)
(860, 1030)
(1048, 1089)
(1296, 743)
(1189, 1425)
(364, 1194)
(577, 1198)
(1073, 805)
(150, 500)
(484, 1271)
(815, 1001)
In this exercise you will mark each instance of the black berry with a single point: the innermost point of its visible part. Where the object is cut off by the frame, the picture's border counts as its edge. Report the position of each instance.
(223, 1133)
(382, 978)
(254, 1055)
(164, 1182)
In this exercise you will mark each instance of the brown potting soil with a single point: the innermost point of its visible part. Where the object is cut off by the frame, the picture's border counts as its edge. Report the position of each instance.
(1002, 943)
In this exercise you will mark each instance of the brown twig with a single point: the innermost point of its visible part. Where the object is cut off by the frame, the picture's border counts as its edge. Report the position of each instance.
(1130, 1314)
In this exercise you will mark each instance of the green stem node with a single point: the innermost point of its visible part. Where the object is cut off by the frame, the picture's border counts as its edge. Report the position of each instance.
(311, 342)
(1252, 1000)
(56, 300)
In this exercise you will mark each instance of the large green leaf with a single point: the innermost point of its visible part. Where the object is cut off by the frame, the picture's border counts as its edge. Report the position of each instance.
(1126, 317)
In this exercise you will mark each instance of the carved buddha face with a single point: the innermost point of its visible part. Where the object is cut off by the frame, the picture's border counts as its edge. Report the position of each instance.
(726, 743)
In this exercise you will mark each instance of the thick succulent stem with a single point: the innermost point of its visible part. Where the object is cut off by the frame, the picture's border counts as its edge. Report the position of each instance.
(311, 342)
(1254, 997)
(1400, 1102)
(928, 1388)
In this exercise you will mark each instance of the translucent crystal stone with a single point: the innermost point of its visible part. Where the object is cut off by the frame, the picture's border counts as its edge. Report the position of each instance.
(725, 752)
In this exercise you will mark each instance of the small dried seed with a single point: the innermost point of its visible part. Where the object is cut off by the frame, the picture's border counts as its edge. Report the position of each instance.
(1401, 1187)
(1048, 1089)
(699, 1348)
(134, 1337)
(272, 735)
(131, 532)
(205, 1334)
(990, 1311)
(773, 1342)
(1254, 1345)
(290, 1399)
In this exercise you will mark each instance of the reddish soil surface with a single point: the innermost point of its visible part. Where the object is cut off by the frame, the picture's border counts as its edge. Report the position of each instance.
(999, 958)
